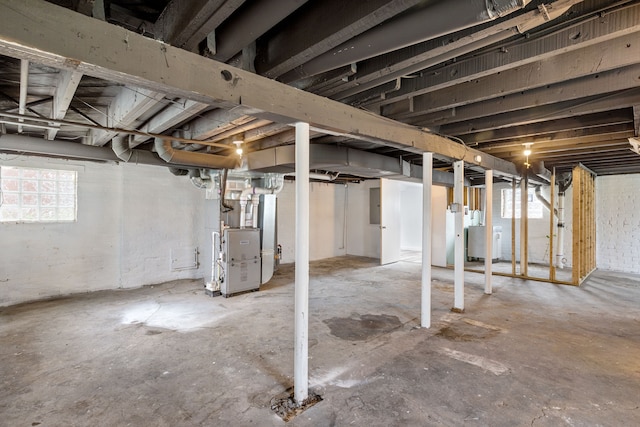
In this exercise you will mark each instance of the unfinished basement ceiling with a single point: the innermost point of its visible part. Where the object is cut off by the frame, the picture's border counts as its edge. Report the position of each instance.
(487, 75)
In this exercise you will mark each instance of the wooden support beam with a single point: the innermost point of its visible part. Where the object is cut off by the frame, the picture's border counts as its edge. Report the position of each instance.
(66, 86)
(95, 48)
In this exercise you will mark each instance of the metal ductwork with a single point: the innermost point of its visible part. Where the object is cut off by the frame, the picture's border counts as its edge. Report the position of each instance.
(341, 160)
(120, 146)
(202, 160)
(433, 20)
(545, 202)
(73, 150)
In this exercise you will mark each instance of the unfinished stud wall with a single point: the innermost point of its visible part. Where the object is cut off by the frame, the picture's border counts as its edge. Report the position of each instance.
(618, 223)
(130, 220)
(584, 224)
(538, 229)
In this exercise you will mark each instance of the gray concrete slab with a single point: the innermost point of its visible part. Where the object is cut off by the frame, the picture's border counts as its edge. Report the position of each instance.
(531, 354)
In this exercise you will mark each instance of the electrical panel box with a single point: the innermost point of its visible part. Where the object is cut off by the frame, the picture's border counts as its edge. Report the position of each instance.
(242, 264)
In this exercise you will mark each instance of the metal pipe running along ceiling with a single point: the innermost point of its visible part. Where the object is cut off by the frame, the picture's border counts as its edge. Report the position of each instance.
(433, 20)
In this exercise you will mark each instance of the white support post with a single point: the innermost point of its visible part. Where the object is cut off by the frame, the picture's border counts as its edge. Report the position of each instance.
(458, 199)
(301, 353)
(524, 224)
(427, 181)
(488, 223)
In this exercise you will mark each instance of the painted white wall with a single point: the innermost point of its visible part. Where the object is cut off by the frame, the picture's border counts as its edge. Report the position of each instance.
(130, 218)
(618, 223)
(411, 216)
(439, 226)
(161, 215)
(363, 239)
(327, 221)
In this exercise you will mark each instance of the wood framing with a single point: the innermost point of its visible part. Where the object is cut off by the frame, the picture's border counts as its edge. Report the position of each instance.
(584, 233)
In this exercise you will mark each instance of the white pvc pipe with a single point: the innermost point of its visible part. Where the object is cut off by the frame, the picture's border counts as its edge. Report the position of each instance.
(301, 352)
(488, 223)
(458, 199)
(560, 247)
(254, 192)
(243, 213)
(427, 181)
(24, 84)
(255, 201)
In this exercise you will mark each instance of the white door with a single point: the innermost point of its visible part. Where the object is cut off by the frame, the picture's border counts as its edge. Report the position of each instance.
(390, 233)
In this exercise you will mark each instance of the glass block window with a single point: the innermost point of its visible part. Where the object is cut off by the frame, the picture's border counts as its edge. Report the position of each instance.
(534, 206)
(37, 195)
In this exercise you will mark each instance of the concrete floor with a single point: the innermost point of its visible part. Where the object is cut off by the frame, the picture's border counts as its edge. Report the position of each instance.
(532, 354)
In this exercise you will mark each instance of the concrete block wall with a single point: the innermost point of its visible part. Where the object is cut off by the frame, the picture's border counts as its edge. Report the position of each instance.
(618, 223)
(130, 220)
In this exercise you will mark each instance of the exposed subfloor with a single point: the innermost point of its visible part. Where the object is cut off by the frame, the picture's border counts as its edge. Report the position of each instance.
(531, 354)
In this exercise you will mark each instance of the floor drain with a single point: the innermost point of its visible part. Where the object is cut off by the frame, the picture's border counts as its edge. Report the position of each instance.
(287, 408)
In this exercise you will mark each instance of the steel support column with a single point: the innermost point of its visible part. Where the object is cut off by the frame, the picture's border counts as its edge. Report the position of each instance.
(301, 353)
(488, 223)
(427, 181)
(458, 200)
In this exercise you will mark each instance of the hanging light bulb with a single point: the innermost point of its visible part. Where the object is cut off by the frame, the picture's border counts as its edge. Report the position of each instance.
(238, 147)
(527, 153)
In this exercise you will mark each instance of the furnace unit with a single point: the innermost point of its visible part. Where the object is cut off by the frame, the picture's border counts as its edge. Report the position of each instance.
(241, 260)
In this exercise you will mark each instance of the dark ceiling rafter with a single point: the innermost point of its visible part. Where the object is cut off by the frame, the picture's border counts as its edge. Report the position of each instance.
(563, 74)
(131, 59)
